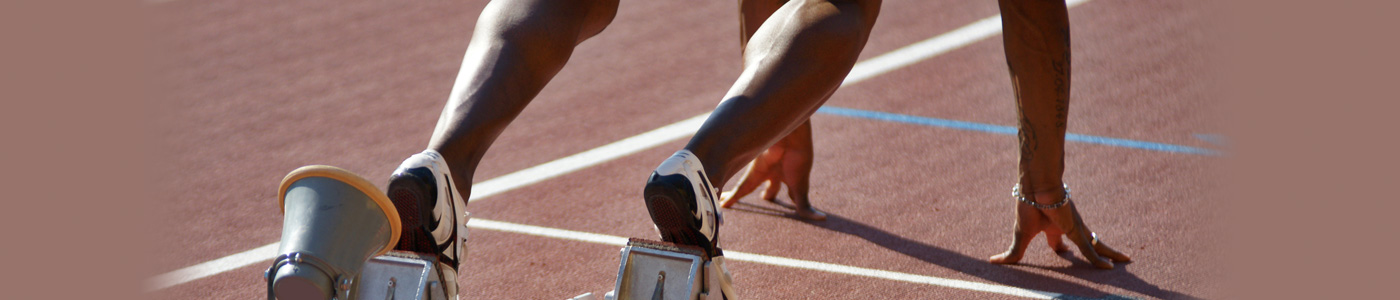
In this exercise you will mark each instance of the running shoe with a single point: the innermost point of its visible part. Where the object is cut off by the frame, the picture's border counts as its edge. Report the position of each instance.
(432, 210)
(681, 201)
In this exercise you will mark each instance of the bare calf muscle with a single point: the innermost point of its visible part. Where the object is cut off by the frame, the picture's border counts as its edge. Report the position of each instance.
(517, 48)
(796, 53)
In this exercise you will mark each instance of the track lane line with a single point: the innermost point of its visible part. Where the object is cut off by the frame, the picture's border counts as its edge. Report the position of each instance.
(1009, 130)
(269, 250)
(863, 70)
(604, 239)
(913, 53)
(213, 267)
(583, 160)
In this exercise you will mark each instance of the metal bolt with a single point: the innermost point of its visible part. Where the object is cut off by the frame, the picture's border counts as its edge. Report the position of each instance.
(344, 283)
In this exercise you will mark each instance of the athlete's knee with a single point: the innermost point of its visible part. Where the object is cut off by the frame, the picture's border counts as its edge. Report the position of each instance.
(843, 16)
(837, 24)
(553, 20)
(864, 10)
(600, 14)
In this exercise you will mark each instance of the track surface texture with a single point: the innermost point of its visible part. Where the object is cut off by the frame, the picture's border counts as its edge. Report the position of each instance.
(255, 88)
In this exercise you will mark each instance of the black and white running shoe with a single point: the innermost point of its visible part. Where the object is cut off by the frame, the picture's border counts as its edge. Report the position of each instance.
(433, 211)
(681, 201)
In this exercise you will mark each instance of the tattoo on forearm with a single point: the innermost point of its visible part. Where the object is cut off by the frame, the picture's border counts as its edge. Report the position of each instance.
(1062, 77)
(1061, 95)
(1026, 132)
(1028, 140)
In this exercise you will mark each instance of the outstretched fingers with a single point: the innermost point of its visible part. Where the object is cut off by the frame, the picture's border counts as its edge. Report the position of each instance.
(750, 182)
(1026, 228)
(1105, 251)
(798, 193)
(1084, 240)
(1068, 216)
(1066, 219)
(1019, 242)
(770, 191)
(1053, 237)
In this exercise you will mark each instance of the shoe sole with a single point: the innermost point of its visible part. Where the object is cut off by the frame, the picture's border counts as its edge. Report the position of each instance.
(673, 211)
(409, 193)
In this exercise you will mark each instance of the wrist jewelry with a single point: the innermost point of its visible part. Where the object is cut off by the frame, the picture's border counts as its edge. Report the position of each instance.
(1016, 194)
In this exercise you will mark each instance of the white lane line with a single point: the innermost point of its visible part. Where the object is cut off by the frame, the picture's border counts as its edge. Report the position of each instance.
(913, 53)
(480, 190)
(589, 158)
(581, 236)
(863, 70)
(212, 267)
(890, 275)
(770, 260)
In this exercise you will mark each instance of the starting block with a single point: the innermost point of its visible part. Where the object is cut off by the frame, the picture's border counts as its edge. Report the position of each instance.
(402, 275)
(338, 235)
(394, 275)
(653, 270)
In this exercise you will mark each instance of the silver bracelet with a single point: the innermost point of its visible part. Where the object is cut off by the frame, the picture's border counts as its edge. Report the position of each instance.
(1016, 194)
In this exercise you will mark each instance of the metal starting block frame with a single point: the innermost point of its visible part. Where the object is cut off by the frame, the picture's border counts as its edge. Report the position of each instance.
(405, 275)
(653, 270)
(400, 275)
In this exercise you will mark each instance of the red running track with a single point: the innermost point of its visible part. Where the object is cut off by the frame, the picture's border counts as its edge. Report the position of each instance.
(256, 88)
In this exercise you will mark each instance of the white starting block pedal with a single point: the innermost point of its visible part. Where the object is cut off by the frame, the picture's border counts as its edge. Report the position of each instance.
(653, 270)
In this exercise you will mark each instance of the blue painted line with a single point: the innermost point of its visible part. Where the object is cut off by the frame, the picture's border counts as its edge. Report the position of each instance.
(1008, 130)
(1216, 139)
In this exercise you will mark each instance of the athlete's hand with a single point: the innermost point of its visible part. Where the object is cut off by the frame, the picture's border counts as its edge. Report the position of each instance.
(1062, 221)
(789, 161)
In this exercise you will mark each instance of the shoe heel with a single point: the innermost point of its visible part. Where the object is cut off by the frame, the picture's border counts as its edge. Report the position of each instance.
(673, 211)
(412, 198)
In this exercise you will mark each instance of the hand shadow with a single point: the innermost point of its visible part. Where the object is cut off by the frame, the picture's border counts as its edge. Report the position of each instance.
(791, 213)
(762, 210)
(980, 268)
(1119, 276)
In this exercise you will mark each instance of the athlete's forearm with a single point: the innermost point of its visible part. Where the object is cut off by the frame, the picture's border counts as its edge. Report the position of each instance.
(1036, 38)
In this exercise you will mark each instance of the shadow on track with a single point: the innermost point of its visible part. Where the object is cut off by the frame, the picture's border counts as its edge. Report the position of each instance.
(979, 267)
(1119, 277)
(762, 210)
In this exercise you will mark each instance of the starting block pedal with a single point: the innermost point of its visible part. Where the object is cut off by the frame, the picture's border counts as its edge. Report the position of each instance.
(406, 275)
(338, 235)
(653, 270)
(397, 274)
(401, 275)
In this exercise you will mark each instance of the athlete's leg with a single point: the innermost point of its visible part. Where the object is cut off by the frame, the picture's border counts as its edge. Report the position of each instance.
(768, 165)
(793, 62)
(516, 48)
(789, 161)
